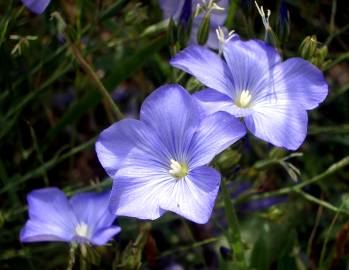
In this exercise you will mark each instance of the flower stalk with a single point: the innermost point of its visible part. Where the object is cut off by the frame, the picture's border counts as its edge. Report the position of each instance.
(233, 233)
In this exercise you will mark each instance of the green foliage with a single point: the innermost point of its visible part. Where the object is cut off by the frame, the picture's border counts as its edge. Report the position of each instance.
(58, 72)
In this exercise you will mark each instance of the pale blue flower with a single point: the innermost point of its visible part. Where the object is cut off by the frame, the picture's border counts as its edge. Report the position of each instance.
(253, 83)
(159, 163)
(84, 218)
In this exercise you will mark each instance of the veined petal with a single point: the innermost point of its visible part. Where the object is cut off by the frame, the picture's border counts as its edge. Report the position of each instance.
(249, 62)
(173, 115)
(282, 124)
(50, 217)
(36, 6)
(216, 133)
(115, 142)
(212, 101)
(104, 235)
(92, 209)
(300, 82)
(193, 197)
(206, 66)
(139, 183)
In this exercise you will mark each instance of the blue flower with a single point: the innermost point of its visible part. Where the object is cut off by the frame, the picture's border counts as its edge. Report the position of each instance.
(36, 6)
(159, 163)
(253, 83)
(84, 218)
(178, 10)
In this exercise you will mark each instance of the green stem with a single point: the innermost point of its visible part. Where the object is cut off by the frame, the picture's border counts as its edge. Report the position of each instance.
(233, 233)
(72, 252)
(331, 170)
(90, 71)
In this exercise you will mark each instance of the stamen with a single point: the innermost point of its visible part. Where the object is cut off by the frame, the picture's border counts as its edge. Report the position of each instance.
(81, 230)
(177, 169)
(244, 99)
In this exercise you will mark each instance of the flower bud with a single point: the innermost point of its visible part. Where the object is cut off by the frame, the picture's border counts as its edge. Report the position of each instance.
(308, 47)
(204, 29)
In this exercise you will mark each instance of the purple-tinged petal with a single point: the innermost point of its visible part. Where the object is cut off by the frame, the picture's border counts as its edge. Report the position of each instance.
(173, 114)
(216, 133)
(104, 235)
(193, 197)
(50, 217)
(249, 62)
(212, 101)
(115, 142)
(281, 124)
(139, 183)
(172, 8)
(91, 208)
(36, 6)
(206, 66)
(300, 82)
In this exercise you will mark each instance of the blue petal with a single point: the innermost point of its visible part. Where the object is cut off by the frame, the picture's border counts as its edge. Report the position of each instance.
(173, 115)
(206, 66)
(115, 142)
(212, 101)
(92, 209)
(193, 197)
(249, 62)
(172, 8)
(50, 217)
(36, 6)
(103, 236)
(138, 186)
(300, 82)
(139, 183)
(280, 123)
(216, 133)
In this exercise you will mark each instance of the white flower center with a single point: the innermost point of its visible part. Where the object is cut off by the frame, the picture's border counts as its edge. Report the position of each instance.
(244, 100)
(178, 170)
(82, 230)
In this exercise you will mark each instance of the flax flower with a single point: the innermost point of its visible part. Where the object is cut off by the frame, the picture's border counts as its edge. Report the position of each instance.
(159, 163)
(253, 83)
(82, 219)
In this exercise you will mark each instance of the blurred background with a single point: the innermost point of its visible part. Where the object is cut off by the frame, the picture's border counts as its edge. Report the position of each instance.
(51, 113)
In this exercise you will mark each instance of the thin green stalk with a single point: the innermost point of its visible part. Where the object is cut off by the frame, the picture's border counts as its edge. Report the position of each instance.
(72, 252)
(331, 170)
(231, 14)
(323, 250)
(90, 71)
(233, 233)
(323, 203)
(16, 181)
(189, 247)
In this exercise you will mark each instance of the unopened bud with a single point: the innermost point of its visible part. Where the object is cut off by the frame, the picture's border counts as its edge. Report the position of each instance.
(204, 29)
(308, 47)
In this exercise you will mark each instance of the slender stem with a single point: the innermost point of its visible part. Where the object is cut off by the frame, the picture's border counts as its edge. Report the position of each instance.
(313, 232)
(90, 71)
(331, 170)
(233, 233)
(323, 250)
(72, 252)
(189, 247)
